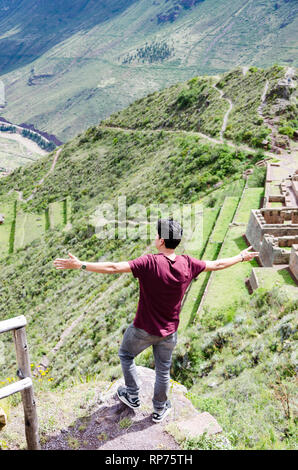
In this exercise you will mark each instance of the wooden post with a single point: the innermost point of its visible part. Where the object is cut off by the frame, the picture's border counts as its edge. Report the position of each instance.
(31, 421)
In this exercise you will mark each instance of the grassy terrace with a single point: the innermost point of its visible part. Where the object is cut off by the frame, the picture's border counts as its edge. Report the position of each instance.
(209, 252)
(226, 215)
(20, 227)
(220, 293)
(271, 277)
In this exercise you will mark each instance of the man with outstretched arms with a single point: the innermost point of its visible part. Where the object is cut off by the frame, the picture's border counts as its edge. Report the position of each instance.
(163, 279)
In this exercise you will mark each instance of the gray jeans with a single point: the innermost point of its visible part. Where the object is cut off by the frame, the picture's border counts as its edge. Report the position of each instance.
(134, 342)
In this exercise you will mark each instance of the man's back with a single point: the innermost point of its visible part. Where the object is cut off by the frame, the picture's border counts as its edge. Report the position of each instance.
(163, 283)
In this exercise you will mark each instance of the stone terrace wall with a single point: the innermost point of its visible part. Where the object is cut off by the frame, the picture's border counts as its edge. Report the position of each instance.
(294, 261)
(257, 226)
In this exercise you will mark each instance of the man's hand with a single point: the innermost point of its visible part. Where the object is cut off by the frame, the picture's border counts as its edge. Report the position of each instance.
(248, 255)
(245, 255)
(72, 263)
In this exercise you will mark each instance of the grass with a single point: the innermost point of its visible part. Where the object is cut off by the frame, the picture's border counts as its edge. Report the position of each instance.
(269, 277)
(7, 208)
(164, 168)
(210, 252)
(29, 227)
(245, 124)
(225, 217)
(22, 228)
(56, 214)
(251, 200)
(219, 294)
(238, 367)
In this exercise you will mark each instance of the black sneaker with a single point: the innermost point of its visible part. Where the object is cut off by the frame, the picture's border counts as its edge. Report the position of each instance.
(124, 396)
(158, 417)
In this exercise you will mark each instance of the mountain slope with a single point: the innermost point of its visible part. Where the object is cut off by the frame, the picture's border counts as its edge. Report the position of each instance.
(76, 319)
(77, 70)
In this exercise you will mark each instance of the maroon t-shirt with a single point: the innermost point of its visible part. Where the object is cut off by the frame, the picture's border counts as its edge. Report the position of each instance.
(163, 283)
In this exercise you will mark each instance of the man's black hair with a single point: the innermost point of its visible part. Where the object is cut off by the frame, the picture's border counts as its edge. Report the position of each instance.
(171, 231)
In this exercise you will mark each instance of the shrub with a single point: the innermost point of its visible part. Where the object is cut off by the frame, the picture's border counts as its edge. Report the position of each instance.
(287, 130)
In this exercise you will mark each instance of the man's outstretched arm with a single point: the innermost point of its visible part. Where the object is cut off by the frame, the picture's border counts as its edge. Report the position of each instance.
(101, 267)
(244, 255)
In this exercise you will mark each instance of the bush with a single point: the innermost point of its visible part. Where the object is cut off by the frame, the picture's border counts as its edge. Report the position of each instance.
(287, 130)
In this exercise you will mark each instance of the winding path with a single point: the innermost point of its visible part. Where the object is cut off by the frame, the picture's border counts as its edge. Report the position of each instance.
(226, 116)
(194, 133)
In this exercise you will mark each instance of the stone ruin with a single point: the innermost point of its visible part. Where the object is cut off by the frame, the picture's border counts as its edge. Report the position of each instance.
(273, 231)
(283, 191)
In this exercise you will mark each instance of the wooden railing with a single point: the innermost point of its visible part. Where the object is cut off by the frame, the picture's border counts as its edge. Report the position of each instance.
(24, 385)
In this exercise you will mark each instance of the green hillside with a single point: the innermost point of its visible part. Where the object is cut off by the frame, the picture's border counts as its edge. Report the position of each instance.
(197, 105)
(76, 66)
(247, 350)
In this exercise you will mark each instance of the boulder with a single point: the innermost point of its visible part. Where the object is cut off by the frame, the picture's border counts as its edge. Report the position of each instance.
(184, 416)
(3, 419)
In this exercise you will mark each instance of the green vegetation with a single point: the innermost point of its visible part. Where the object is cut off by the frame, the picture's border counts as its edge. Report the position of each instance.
(268, 277)
(237, 338)
(7, 208)
(192, 106)
(154, 52)
(21, 227)
(225, 217)
(220, 292)
(198, 106)
(41, 142)
(245, 124)
(210, 250)
(243, 372)
(251, 200)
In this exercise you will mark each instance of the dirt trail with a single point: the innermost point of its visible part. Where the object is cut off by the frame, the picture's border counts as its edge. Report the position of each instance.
(226, 116)
(195, 133)
(40, 182)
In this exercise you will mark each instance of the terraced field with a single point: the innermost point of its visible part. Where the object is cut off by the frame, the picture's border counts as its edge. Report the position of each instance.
(20, 228)
(219, 292)
(216, 224)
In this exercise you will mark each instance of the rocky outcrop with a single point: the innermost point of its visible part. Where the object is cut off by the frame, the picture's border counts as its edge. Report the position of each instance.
(111, 425)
